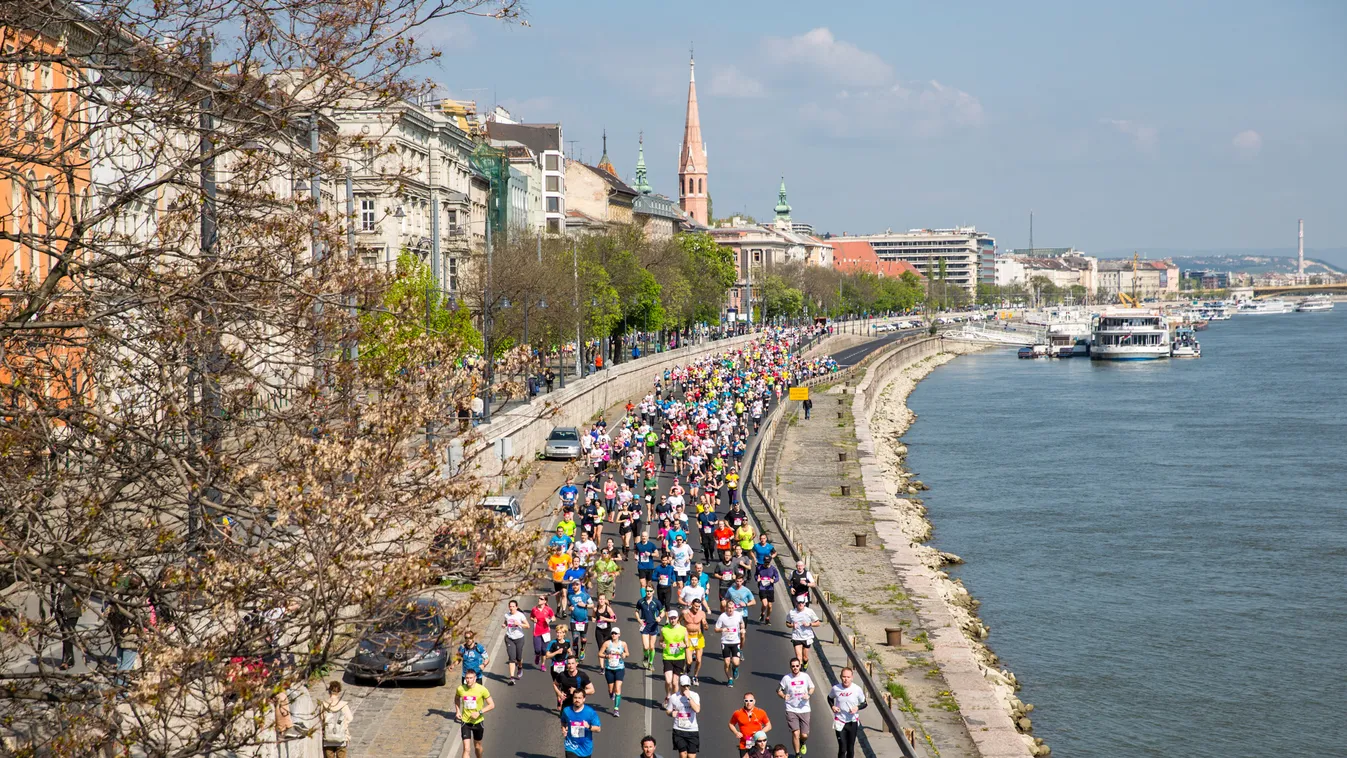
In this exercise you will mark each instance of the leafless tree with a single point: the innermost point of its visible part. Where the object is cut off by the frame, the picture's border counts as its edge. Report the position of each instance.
(198, 472)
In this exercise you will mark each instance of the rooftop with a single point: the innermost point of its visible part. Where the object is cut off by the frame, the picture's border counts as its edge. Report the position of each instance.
(857, 256)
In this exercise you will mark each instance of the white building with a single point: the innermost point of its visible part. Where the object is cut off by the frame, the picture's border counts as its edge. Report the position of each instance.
(545, 143)
(966, 253)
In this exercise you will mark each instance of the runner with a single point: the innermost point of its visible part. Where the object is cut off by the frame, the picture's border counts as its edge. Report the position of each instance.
(767, 578)
(542, 629)
(665, 578)
(614, 657)
(730, 624)
(559, 562)
(759, 748)
(472, 701)
(646, 558)
(763, 552)
(649, 610)
(514, 625)
(648, 748)
(796, 689)
(571, 679)
(558, 650)
(749, 724)
(802, 621)
(474, 656)
(694, 619)
(605, 618)
(568, 493)
(580, 603)
(684, 705)
(801, 579)
(847, 701)
(674, 637)
(579, 724)
(723, 569)
(606, 572)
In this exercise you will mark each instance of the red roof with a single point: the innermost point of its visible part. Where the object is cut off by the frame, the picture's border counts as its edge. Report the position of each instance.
(857, 256)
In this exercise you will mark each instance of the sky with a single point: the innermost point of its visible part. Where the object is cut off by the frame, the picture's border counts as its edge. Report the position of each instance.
(1121, 126)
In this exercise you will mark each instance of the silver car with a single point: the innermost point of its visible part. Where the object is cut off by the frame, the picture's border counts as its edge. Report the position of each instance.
(563, 442)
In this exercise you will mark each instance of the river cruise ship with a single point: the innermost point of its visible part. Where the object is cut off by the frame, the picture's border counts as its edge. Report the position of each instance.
(1315, 304)
(1129, 334)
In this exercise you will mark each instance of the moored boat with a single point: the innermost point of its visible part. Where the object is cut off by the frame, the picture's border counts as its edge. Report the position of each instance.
(1185, 344)
(1315, 304)
(1129, 334)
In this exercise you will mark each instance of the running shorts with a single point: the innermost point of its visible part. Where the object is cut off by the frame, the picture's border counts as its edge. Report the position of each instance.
(696, 641)
(676, 665)
(686, 742)
(797, 722)
(473, 732)
(646, 574)
(650, 629)
(730, 651)
(614, 675)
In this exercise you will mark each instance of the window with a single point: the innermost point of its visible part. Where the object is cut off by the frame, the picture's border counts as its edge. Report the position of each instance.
(553, 184)
(553, 163)
(700, 189)
(554, 226)
(757, 256)
(554, 205)
(366, 214)
(689, 186)
(453, 275)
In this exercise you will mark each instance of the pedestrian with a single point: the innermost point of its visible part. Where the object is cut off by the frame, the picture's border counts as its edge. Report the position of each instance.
(684, 705)
(67, 607)
(807, 404)
(336, 717)
(514, 625)
(579, 724)
(796, 688)
(749, 725)
(847, 701)
(549, 378)
(472, 701)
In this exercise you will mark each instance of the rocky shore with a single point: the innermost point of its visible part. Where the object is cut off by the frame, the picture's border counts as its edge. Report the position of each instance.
(886, 420)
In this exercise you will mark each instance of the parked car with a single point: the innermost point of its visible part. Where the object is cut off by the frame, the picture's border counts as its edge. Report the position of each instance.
(563, 442)
(409, 645)
(508, 507)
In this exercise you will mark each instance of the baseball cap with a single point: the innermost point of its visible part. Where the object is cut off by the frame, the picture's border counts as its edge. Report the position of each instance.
(673, 613)
(760, 736)
(615, 630)
(685, 680)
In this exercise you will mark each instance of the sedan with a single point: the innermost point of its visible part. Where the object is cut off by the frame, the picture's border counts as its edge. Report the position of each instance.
(563, 442)
(407, 646)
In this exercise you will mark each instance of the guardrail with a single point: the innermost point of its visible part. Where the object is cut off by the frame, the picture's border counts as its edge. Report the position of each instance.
(876, 695)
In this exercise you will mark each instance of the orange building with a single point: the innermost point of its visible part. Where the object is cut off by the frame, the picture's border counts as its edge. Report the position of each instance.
(44, 183)
(857, 256)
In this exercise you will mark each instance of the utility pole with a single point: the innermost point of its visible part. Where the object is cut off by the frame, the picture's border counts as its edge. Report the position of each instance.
(350, 251)
(579, 320)
(208, 359)
(490, 368)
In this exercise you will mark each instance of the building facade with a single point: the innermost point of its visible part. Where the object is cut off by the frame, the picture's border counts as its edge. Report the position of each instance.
(961, 249)
(1146, 278)
(545, 143)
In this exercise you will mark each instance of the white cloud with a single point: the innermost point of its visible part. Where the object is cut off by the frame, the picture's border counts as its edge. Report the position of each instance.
(1144, 136)
(731, 82)
(1248, 143)
(820, 52)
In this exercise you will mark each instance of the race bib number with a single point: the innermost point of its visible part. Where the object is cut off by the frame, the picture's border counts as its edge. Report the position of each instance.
(559, 666)
(470, 703)
(579, 626)
(683, 720)
(664, 580)
(579, 729)
(615, 660)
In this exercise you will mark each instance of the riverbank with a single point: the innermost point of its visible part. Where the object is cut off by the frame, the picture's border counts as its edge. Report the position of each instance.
(985, 694)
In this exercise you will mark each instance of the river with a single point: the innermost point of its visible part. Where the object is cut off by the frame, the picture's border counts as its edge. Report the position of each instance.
(1160, 548)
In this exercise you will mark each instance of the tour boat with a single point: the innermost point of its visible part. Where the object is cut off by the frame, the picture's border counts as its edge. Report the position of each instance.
(1033, 351)
(1315, 304)
(1265, 307)
(1129, 334)
(1185, 344)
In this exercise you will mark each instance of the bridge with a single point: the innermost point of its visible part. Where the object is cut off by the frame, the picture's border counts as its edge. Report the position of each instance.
(1339, 288)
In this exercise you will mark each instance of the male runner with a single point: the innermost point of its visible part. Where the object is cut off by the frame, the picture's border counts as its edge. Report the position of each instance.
(579, 724)
(749, 724)
(730, 624)
(684, 705)
(847, 701)
(694, 619)
(674, 638)
(802, 621)
(472, 701)
(649, 609)
(767, 578)
(796, 689)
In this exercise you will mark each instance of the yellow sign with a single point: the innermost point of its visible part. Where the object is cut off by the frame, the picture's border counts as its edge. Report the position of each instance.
(799, 393)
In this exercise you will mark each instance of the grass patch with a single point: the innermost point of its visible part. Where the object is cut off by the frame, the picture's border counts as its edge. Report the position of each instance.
(455, 585)
(899, 694)
(945, 701)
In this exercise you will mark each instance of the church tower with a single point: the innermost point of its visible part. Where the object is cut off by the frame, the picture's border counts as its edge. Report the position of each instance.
(692, 179)
(782, 208)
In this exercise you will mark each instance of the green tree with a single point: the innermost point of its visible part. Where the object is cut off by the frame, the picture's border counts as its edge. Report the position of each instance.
(415, 322)
(778, 298)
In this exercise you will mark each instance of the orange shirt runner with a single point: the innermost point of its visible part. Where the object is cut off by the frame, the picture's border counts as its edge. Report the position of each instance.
(749, 722)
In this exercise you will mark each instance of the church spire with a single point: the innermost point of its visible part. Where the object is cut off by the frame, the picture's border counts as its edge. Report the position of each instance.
(782, 207)
(642, 184)
(693, 196)
(604, 163)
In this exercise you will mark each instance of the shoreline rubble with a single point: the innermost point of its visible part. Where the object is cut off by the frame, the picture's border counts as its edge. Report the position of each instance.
(888, 420)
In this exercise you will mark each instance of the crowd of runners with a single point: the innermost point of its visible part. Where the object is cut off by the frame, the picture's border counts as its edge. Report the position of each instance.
(703, 572)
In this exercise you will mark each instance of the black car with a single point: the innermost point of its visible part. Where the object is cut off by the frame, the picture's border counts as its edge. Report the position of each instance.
(407, 646)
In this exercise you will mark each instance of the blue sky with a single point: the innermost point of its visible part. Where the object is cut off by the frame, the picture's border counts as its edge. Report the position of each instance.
(1121, 125)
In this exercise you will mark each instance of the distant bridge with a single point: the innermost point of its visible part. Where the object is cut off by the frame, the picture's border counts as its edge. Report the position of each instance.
(1301, 289)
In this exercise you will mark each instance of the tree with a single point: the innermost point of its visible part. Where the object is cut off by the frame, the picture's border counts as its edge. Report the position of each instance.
(709, 270)
(188, 453)
(779, 299)
(415, 315)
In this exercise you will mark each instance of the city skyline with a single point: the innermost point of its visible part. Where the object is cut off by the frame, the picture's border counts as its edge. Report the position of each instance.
(1198, 127)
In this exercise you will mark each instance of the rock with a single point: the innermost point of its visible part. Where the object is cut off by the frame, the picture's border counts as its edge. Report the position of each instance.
(1025, 724)
(950, 559)
(1028, 707)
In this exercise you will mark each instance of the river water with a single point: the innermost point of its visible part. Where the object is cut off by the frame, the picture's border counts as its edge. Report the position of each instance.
(1160, 547)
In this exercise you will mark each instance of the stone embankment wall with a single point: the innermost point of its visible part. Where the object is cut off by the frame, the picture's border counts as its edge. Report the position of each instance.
(527, 426)
(996, 719)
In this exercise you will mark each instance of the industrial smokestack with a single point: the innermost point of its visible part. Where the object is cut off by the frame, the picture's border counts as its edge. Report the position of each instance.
(1300, 249)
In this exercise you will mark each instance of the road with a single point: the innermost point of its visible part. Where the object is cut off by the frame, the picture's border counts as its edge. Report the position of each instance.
(525, 722)
(853, 355)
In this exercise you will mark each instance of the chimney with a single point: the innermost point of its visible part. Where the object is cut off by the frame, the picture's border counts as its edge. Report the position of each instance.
(1300, 249)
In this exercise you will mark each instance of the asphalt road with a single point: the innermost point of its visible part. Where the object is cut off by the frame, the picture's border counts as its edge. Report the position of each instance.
(853, 355)
(525, 722)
